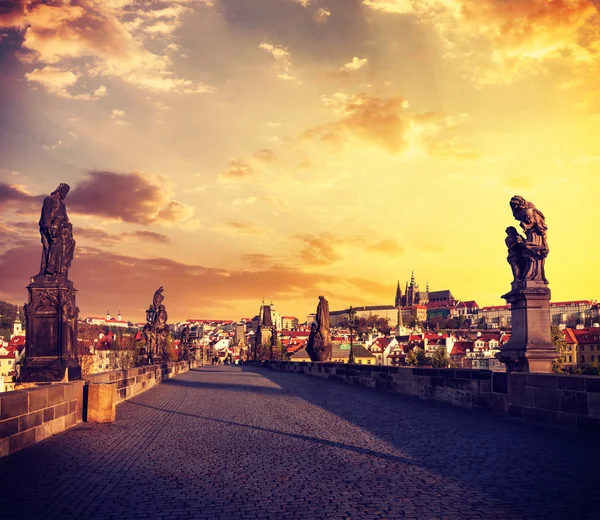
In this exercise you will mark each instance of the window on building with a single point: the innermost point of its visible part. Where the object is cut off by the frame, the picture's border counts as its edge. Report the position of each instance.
(10, 361)
(592, 358)
(570, 359)
(582, 358)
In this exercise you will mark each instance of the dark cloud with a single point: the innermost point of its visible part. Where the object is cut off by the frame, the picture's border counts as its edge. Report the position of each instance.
(14, 196)
(103, 276)
(128, 197)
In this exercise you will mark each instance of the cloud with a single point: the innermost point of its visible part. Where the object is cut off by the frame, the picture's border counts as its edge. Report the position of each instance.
(366, 121)
(319, 250)
(244, 228)
(100, 275)
(57, 81)
(103, 37)
(390, 6)
(512, 38)
(257, 259)
(244, 168)
(321, 15)
(388, 247)
(130, 197)
(282, 58)
(355, 64)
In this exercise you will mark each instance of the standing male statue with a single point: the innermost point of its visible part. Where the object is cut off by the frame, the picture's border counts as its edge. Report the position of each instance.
(319, 342)
(57, 234)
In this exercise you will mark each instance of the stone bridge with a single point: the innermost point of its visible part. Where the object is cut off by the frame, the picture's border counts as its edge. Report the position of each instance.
(229, 442)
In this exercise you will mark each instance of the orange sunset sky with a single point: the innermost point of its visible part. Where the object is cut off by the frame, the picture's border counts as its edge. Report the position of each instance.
(234, 150)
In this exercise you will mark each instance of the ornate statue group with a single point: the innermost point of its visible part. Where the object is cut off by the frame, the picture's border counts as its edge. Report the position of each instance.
(156, 332)
(527, 255)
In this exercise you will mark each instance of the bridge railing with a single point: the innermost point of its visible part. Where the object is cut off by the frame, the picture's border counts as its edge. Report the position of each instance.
(33, 414)
(565, 401)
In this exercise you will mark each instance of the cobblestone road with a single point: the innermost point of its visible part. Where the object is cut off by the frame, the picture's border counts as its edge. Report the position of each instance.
(245, 443)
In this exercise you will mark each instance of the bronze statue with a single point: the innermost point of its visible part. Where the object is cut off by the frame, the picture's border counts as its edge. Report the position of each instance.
(57, 234)
(319, 341)
(534, 248)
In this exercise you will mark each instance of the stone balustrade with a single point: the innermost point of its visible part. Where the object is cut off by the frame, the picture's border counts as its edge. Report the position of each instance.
(33, 414)
(566, 401)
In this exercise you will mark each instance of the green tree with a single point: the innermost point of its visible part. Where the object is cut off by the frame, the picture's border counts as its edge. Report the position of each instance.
(416, 357)
(560, 345)
(440, 358)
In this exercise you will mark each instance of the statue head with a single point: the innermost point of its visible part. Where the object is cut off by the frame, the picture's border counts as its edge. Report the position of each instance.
(511, 231)
(62, 190)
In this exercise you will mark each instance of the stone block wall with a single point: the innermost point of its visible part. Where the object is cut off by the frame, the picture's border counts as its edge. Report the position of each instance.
(134, 381)
(557, 400)
(33, 414)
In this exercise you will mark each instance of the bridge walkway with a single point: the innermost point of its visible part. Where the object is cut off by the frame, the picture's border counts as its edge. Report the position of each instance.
(229, 442)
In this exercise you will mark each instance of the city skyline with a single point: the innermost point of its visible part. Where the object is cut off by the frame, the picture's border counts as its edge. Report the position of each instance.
(290, 148)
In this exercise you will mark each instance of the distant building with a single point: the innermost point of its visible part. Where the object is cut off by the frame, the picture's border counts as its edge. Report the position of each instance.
(495, 316)
(583, 347)
(289, 322)
(572, 313)
(108, 321)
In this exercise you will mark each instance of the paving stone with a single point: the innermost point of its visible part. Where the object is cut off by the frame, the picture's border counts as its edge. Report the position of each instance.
(250, 443)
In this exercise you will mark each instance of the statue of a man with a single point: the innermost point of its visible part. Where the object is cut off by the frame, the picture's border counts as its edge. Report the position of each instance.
(535, 248)
(57, 234)
(323, 314)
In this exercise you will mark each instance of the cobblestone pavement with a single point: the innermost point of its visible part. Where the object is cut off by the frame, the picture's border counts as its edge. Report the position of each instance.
(246, 443)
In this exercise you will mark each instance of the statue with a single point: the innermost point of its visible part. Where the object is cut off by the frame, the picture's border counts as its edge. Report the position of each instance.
(57, 234)
(156, 333)
(52, 312)
(515, 257)
(535, 247)
(530, 347)
(319, 340)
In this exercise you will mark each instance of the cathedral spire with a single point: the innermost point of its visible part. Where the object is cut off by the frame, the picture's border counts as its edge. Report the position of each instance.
(398, 301)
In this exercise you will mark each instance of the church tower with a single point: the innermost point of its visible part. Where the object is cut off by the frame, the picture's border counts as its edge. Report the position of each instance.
(17, 326)
(119, 315)
(108, 314)
(398, 300)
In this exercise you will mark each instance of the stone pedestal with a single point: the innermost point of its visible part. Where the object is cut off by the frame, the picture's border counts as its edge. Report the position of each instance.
(51, 334)
(102, 402)
(530, 347)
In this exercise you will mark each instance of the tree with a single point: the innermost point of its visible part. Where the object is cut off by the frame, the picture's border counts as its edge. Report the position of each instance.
(416, 357)
(560, 345)
(440, 359)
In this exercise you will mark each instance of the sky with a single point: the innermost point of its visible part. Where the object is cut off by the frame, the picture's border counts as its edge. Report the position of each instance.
(235, 150)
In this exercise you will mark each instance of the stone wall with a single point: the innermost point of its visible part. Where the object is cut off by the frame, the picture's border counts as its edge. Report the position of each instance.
(134, 381)
(558, 400)
(33, 414)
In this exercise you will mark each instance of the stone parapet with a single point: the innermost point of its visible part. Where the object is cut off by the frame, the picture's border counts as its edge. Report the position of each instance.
(134, 381)
(565, 401)
(34, 414)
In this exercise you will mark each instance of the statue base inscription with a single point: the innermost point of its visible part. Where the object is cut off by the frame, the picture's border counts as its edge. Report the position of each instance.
(530, 347)
(51, 334)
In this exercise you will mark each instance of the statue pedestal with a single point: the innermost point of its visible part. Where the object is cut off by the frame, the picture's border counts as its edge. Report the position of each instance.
(51, 334)
(530, 347)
